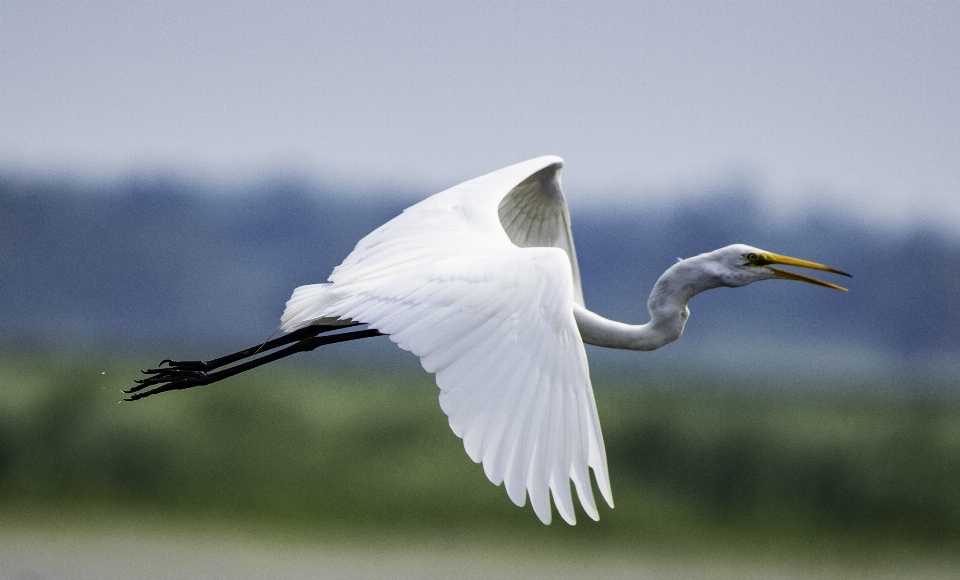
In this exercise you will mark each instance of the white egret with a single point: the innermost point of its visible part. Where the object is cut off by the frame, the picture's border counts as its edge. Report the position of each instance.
(481, 282)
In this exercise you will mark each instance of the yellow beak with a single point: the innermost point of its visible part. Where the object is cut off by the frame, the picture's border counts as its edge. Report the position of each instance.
(770, 258)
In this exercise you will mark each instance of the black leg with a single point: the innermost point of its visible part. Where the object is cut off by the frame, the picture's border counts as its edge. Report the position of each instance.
(187, 374)
(204, 365)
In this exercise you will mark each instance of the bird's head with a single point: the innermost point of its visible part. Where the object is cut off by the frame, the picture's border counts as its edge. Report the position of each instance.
(739, 265)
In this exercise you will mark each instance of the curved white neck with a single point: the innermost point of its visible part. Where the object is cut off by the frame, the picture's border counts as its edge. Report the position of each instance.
(668, 311)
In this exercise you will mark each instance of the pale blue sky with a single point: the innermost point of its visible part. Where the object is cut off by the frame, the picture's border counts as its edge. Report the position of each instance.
(852, 103)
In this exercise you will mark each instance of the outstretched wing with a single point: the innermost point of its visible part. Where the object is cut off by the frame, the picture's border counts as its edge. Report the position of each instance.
(490, 311)
(521, 204)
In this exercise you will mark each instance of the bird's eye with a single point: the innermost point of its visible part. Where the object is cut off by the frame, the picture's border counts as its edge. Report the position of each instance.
(752, 257)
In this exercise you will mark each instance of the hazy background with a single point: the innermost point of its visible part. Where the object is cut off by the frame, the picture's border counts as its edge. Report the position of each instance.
(852, 104)
(169, 171)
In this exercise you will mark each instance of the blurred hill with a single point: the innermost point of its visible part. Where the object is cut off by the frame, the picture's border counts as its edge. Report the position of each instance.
(160, 261)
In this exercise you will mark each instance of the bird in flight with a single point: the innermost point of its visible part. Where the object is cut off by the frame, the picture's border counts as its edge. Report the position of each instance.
(481, 282)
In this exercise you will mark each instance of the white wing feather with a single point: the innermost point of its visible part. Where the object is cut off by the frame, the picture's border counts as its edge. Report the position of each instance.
(493, 320)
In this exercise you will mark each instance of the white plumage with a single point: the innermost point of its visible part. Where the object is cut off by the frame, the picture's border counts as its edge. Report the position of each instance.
(481, 282)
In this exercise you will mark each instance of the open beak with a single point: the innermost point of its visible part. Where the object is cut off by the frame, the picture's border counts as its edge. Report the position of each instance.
(770, 258)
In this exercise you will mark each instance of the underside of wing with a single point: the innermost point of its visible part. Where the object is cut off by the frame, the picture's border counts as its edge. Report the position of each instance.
(498, 330)
(535, 215)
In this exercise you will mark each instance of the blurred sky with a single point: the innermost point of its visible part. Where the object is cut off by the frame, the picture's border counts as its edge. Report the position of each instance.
(853, 103)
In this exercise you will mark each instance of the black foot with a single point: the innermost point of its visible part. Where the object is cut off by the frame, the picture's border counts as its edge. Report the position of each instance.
(193, 371)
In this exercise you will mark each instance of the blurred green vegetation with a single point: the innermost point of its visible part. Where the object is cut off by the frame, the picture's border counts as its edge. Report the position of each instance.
(349, 451)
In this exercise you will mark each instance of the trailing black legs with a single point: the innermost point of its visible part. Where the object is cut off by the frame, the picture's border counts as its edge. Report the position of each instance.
(177, 375)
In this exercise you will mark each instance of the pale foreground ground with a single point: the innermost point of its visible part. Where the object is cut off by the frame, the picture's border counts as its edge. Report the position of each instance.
(43, 554)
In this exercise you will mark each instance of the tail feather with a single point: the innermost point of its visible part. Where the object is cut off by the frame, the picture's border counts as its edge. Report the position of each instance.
(307, 306)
